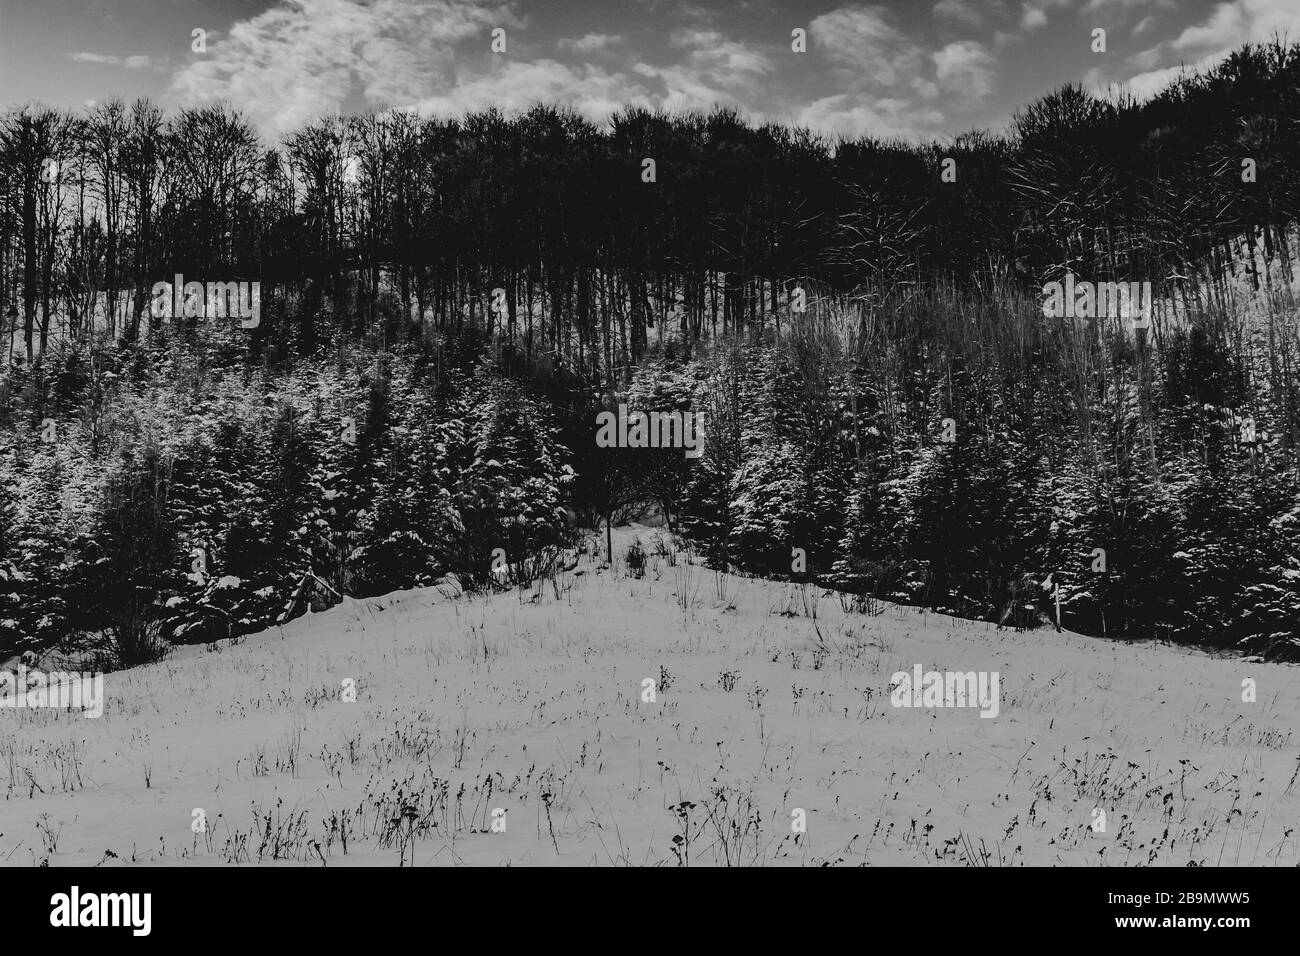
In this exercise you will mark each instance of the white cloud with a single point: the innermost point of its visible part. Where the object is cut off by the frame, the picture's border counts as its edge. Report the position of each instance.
(515, 85)
(1146, 59)
(1145, 85)
(849, 116)
(1207, 43)
(303, 58)
(714, 70)
(95, 58)
(1033, 18)
(864, 42)
(591, 43)
(1234, 23)
(964, 68)
(1094, 5)
(962, 11)
(1226, 25)
(887, 88)
(137, 62)
(710, 52)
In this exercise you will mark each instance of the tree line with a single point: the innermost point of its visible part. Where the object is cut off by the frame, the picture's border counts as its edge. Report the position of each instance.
(373, 224)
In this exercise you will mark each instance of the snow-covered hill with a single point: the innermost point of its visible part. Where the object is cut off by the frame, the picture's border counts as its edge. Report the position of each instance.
(532, 703)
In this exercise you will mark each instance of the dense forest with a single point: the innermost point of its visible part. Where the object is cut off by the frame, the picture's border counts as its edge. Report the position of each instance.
(447, 303)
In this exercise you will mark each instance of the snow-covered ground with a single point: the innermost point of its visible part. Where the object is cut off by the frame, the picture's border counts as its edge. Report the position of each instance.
(532, 703)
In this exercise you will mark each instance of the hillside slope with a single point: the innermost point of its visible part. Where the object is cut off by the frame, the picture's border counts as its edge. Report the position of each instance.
(534, 706)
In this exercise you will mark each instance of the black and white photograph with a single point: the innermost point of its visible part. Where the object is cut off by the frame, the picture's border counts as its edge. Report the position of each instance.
(650, 434)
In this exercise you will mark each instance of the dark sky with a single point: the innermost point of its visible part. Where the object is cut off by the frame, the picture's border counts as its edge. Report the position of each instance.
(892, 68)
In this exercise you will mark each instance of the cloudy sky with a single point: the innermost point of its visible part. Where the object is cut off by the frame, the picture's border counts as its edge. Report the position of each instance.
(896, 67)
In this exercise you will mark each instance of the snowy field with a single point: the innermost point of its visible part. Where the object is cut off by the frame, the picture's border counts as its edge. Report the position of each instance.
(532, 703)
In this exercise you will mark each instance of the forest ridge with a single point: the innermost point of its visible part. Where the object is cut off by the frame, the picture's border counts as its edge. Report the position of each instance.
(860, 322)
